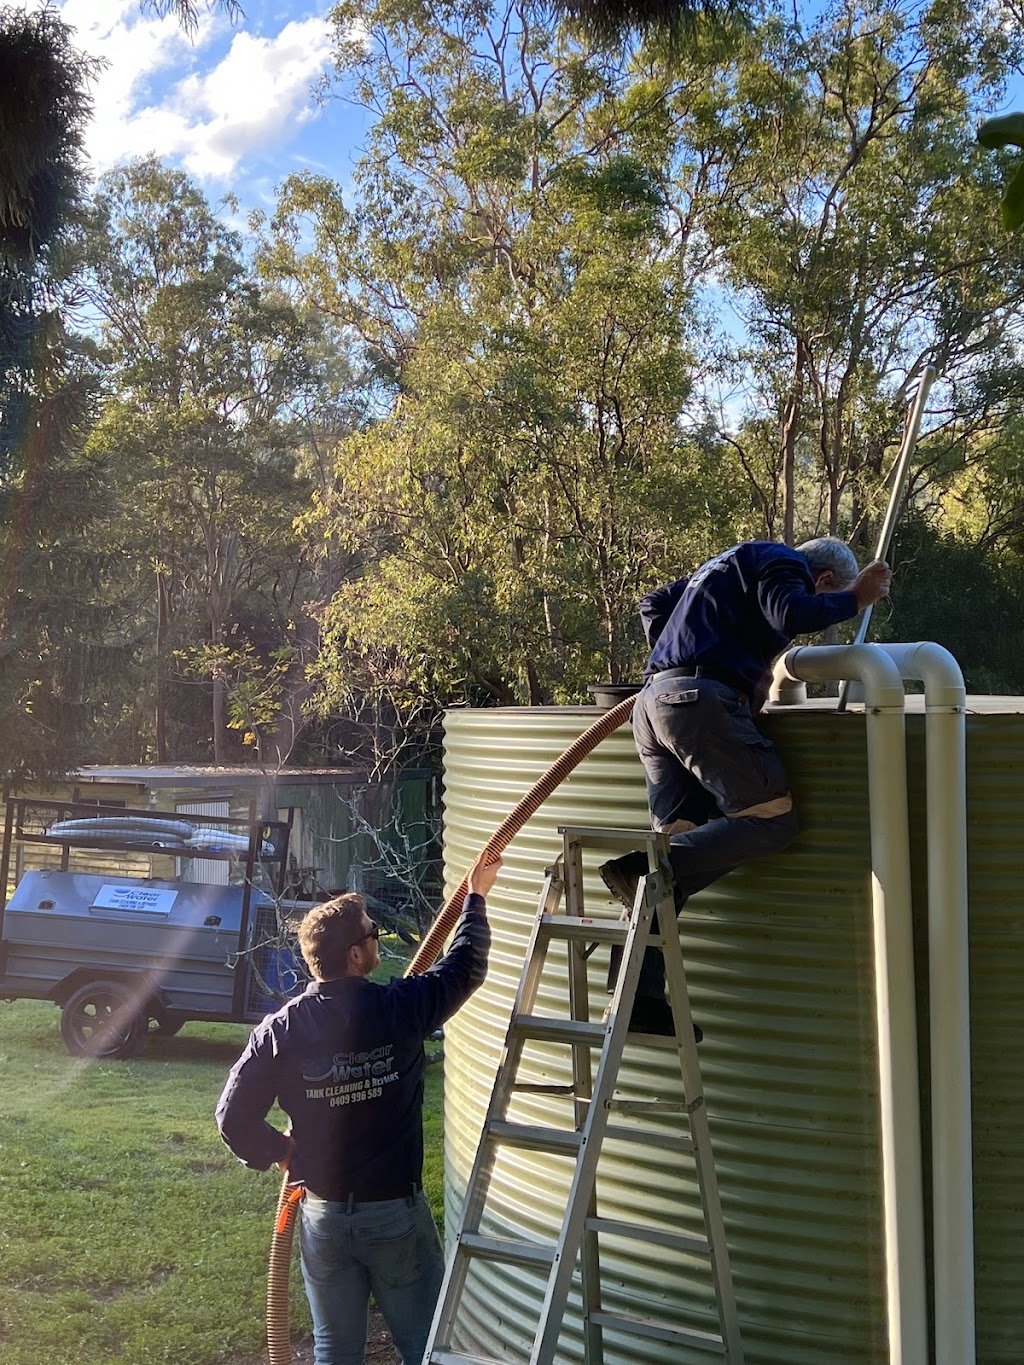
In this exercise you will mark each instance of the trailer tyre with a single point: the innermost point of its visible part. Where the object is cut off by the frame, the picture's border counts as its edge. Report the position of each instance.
(101, 1019)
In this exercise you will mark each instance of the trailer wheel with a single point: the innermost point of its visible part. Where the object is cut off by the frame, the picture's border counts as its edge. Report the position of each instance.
(101, 1020)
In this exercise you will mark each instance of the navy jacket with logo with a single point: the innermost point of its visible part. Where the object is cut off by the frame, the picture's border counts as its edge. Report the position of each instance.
(345, 1062)
(736, 614)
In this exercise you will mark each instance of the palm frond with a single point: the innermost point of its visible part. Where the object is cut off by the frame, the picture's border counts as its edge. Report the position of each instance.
(612, 22)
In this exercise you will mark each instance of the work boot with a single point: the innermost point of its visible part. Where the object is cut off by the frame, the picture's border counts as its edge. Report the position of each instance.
(622, 876)
(651, 1015)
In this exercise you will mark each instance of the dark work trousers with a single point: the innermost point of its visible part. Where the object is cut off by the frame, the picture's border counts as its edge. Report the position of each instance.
(715, 785)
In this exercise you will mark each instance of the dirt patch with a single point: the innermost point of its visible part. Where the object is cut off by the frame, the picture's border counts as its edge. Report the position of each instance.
(379, 1350)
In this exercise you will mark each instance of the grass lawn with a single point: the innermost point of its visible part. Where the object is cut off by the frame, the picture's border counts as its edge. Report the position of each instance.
(129, 1234)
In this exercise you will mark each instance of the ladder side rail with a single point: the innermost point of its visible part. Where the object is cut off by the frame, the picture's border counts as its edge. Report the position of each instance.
(583, 1180)
(579, 987)
(477, 1186)
(583, 1087)
(707, 1179)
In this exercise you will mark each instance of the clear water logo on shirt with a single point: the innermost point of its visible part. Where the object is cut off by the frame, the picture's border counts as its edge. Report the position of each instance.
(343, 1067)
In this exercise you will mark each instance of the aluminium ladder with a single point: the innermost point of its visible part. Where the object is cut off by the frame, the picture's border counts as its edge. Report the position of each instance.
(594, 1103)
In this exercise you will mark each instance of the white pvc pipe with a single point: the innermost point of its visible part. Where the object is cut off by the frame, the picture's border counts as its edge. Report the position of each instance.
(949, 995)
(899, 1085)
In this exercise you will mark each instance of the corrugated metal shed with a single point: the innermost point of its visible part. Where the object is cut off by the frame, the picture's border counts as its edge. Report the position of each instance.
(779, 964)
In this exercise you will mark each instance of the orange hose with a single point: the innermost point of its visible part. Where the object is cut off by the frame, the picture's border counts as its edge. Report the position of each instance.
(278, 1333)
(279, 1345)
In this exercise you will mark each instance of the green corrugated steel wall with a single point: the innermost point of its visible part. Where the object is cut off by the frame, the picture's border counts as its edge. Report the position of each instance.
(995, 805)
(779, 965)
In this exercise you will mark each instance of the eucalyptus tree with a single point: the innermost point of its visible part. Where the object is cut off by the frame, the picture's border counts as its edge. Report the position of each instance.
(864, 244)
(207, 369)
(513, 267)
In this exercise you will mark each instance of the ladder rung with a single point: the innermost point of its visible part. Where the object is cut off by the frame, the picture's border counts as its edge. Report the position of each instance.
(656, 1108)
(539, 1088)
(597, 836)
(676, 1241)
(535, 1139)
(559, 1030)
(649, 1137)
(658, 1040)
(565, 927)
(505, 1250)
(660, 1331)
(441, 1357)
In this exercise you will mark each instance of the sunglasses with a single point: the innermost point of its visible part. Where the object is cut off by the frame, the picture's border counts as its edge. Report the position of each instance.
(373, 932)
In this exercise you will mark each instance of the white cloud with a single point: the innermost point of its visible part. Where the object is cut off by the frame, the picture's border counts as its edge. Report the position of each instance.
(252, 98)
(206, 103)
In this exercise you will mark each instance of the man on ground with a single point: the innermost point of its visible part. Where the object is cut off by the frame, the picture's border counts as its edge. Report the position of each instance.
(345, 1062)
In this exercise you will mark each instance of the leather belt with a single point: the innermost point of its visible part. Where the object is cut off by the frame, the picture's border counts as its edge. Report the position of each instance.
(684, 671)
(351, 1197)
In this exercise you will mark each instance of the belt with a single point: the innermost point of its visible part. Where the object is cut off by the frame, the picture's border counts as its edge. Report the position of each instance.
(351, 1197)
(684, 671)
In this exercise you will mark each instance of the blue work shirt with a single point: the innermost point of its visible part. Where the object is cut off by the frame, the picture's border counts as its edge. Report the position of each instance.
(735, 614)
(345, 1062)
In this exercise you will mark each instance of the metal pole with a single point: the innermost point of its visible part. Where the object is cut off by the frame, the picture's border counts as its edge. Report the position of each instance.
(899, 486)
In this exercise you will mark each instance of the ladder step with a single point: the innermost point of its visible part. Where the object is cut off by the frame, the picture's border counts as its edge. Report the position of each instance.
(664, 1041)
(597, 836)
(659, 1331)
(507, 1251)
(653, 1108)
(649, 1137)
(675, 1241)
(457, 1358)
(546, 1030)
(563, 928)
(540, 1088)
(534, 1139)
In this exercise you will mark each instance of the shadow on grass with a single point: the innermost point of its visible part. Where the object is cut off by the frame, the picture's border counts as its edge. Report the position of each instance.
(223, 1051)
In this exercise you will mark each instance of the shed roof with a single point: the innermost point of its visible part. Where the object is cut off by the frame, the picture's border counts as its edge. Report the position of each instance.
(226, 775)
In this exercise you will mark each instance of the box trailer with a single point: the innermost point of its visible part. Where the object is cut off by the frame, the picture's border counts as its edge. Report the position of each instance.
(111, 929)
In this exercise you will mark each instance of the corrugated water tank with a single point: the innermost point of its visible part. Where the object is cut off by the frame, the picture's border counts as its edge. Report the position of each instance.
(779, 967)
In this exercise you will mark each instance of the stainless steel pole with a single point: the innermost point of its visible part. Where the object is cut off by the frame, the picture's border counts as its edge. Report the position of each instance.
(899, 486)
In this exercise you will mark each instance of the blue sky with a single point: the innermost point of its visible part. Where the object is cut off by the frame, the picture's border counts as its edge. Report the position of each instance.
(233, 104)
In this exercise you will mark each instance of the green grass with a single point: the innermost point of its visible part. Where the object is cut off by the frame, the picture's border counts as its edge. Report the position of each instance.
(128, 1233)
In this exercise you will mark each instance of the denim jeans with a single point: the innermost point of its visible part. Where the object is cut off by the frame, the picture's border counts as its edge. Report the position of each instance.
(389, 1248)
(706, 764)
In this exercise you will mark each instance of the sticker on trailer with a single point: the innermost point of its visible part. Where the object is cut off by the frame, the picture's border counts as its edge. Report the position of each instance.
(134, 898)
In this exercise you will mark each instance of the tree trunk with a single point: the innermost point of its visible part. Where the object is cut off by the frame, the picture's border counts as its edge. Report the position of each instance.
(160, 717)
(787, 446)
(219, 726)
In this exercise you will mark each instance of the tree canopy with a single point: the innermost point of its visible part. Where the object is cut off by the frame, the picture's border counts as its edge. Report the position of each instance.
(585, 311)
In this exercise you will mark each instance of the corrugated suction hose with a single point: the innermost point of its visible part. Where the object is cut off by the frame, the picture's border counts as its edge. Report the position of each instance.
(278, 1332)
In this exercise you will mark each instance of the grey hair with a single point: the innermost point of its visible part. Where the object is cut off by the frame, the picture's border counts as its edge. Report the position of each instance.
(832, 555)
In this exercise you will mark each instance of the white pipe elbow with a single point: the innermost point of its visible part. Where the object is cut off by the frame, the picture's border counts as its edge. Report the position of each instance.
(927, 662)
(869, 664)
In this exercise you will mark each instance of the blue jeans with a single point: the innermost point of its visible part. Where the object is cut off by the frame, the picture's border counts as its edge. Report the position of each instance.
(389, 1247)
(706, 765)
